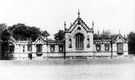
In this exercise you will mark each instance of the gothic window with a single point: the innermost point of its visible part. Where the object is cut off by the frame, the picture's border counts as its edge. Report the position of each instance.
(106, 47)
(52, 48)
(79, 38)
(70, 43)
(61, 48)
(98, 47)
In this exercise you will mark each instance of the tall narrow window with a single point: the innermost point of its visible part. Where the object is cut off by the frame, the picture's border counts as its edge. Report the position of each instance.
(70, 43)
(61, 48)
(79, 38)
(23, 48)
(106, 47)
(52, 48)
(98, 47)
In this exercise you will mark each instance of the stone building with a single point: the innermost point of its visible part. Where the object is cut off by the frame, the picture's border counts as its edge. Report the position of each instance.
(78, 41)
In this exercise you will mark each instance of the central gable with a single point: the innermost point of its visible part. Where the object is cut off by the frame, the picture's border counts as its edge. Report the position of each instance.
(119, 38)
(79, 22)
(39, 40)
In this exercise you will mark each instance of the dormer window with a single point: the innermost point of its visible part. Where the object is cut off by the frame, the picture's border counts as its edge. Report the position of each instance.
(78, 28)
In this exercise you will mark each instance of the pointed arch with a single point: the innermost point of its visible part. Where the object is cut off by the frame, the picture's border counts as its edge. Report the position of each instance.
(79, 41)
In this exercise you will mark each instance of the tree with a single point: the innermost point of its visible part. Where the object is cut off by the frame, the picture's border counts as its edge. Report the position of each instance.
(104, 35)
(4, 37)
(45, 33)
(34, 33)
(19, 31)
(23, 32)
(60, 35)
(131, 43)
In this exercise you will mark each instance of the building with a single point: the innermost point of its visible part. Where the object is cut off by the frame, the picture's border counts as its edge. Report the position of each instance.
(79, 42)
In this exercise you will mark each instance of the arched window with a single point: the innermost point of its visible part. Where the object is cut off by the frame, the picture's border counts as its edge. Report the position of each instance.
(79, 38)
(70, 43)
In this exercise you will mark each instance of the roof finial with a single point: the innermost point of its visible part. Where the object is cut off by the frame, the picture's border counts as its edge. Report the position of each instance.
(98, 33)
(119, 31)
(64, 25)
(78, 13)
(93, 25)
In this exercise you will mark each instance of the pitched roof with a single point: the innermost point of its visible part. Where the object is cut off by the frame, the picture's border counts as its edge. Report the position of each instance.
(119, 36)
(53, 42)
(12, 39)
(102, 41)
(41, 39)
(79, 21)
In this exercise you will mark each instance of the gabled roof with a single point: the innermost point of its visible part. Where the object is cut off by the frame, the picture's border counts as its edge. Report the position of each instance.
(79, 21)
(40, 39)
(12, 39)
(119, 37)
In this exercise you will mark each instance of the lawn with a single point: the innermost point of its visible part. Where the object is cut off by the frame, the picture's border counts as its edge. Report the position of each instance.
(69, 69)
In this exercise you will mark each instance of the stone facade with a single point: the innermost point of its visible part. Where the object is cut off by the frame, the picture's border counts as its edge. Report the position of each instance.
(78, 41)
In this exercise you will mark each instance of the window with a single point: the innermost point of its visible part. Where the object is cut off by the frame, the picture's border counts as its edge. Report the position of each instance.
(70, 43)
(98, 47)
(52, 48)
(23, 48)
(29, 47)
(106, 47)
(79, 38)
(61, 48)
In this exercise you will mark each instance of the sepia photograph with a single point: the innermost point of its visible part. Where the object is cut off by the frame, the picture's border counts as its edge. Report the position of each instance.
(67, 40)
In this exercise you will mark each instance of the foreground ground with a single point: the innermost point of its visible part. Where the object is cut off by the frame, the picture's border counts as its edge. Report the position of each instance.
(76, 69)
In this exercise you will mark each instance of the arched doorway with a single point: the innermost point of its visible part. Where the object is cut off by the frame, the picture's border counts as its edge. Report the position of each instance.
(79, 38)
(119, 48)
(39, 49)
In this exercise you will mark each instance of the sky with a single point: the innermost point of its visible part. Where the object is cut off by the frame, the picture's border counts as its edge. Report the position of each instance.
(114, 15)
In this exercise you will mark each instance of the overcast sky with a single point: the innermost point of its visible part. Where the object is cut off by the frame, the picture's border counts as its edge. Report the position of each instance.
(113, 15)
